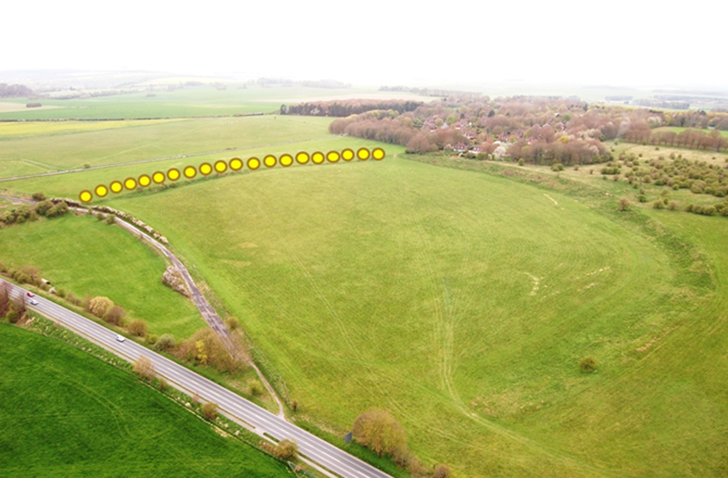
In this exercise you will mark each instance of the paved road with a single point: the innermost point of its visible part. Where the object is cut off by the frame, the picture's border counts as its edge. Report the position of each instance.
(230, 404)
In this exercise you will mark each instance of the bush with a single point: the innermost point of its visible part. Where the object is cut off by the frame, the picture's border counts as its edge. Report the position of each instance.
(557, 167)
(39, 196)
(43, 207)
(232, 323)
(441, 471)
(115, 315)
(286, 450)
(255, 387)
(165, 342)
(672, 206)
(521, 162)
(110, 219)
(144, 367)
(623, 204)
(137, 327)
(99, 306)
(209, 410)
(588, 364)
(378, 430)
(658, 204)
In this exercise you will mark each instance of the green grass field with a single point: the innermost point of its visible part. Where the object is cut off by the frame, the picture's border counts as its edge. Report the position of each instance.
(86, 256)
(459, 300)
(65, 413)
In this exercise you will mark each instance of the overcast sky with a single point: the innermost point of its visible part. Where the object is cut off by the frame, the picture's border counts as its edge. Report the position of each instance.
(620, 43)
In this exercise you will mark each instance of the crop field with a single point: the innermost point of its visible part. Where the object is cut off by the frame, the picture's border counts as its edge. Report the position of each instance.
(461, 301)
(86, 256)
(65, 413)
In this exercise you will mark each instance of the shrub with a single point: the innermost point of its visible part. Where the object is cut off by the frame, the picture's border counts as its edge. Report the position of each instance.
(623, 204)
(115, 315)
(658, 204)
(672, 206)
(286, 450)
(642, 198)
(144, 367)
(137, 327)
(441, 471)
(110, 219)
(209, 410)
(557, 167)
(163, 384)
(378, 430)
(165, 342)
(255, 387)
(232, 323)
(521, 162)
(99, 306)
(43, 207)
(588, 364)
(39, 196)
(99, 217)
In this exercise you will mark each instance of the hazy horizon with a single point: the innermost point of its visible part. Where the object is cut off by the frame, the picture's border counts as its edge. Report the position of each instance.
(563, 43)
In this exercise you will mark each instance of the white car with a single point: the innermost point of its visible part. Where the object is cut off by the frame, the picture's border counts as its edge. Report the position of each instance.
(33, 302)
(120, 338)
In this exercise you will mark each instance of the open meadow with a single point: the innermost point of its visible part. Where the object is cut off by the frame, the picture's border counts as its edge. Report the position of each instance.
(65, 413)
(461, 300)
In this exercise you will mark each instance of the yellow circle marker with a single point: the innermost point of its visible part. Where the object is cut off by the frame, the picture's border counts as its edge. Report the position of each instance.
(363, 154)
(85, 196)
(144, 180)
(130, 183)
(269, 161)
(116, 187)
(347, 154)
(253, 163)
(173, 174)
(205, 168)
(333, 156)
(158, 177)
(236, 164)
(317, 157)
(302, 157)
(190, 172)
(220, 166)
(101, 190)
(378, 154)
(286, 160)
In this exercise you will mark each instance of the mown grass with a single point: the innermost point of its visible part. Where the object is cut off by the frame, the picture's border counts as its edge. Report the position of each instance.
(65, 413)
(86, 256)
(25, 129)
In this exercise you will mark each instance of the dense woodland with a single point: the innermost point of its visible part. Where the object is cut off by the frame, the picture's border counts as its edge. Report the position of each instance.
(542, 130)
(350, 107)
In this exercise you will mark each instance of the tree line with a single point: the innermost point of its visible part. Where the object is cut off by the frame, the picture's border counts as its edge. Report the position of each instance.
(346, 108)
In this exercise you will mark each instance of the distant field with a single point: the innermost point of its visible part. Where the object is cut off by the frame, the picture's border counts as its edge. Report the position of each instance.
(11, 107)
(680, 130)
(44, 128)
(65, 413)
(86, 256)
(156, 140)
(188, 101)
